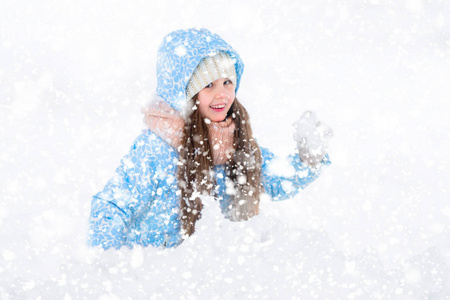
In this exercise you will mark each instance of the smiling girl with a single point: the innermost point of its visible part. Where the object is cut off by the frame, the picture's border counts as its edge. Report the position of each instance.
(199, 143)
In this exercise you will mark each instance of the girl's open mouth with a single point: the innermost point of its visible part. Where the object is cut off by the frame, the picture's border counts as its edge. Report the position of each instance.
(218, 108)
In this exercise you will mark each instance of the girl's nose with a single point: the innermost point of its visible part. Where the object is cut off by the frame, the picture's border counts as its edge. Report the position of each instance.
(220, 92)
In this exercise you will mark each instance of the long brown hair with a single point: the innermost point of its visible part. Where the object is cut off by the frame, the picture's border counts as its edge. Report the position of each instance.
(195, 166)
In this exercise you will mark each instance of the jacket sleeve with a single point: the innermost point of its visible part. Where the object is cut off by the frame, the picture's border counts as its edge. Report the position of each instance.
(124, 196)
(284, 178)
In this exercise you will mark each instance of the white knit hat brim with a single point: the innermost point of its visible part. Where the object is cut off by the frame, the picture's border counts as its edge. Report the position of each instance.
(211, 68)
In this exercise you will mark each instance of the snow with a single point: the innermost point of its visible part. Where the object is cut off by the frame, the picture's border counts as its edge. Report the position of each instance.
(312, 137)
(73, 77)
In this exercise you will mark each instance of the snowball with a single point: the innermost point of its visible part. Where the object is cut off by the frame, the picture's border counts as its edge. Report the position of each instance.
(311, 134)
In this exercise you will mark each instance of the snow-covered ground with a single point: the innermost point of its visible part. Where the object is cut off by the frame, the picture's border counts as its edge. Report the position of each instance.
(376, 225)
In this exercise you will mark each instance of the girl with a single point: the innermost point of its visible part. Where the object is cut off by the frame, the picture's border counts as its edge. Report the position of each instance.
(199, 143)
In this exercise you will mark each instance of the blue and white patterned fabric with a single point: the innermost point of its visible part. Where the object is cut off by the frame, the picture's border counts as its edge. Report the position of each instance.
(179, 55)
(140, 203)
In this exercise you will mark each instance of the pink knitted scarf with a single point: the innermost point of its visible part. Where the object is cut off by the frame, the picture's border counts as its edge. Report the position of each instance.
(168, 124)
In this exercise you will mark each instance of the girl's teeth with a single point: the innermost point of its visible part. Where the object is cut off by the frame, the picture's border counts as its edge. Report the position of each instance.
(220, 106)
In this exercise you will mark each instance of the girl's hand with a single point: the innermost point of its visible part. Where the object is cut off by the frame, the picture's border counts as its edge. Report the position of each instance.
(312, 138)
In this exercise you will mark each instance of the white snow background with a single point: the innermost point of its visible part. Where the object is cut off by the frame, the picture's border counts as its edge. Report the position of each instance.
(375, 225)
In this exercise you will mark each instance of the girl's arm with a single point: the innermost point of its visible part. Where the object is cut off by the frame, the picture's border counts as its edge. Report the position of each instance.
(284, 178)
(127, 194)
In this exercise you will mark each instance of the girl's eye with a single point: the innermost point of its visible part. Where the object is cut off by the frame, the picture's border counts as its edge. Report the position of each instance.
(209, 85)
(227, 82)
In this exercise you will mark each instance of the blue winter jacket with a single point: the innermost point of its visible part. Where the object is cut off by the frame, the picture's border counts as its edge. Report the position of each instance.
(140, 203)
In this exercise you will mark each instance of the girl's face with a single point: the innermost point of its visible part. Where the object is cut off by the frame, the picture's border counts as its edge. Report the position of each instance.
(215, 99)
